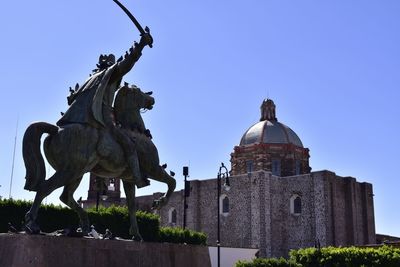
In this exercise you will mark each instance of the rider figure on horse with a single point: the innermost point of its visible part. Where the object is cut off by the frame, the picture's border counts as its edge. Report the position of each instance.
(92, 102)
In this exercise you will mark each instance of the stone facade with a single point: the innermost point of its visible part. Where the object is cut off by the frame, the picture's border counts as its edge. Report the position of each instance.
(335, 211)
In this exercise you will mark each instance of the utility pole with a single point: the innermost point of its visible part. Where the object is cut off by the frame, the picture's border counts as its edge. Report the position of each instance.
(13, 159)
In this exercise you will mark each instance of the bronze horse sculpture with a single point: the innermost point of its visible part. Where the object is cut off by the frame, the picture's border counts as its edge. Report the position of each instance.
(75, 149)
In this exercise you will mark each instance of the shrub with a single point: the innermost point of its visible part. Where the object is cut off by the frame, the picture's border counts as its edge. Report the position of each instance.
(12, 211)
(52, 217)
(272, 262)
(178, 235)
(384, 256)
(114, 218)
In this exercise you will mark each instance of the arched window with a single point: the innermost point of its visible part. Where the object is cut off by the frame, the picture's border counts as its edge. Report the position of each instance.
(172, 216)
(295, 205)
(224, 205)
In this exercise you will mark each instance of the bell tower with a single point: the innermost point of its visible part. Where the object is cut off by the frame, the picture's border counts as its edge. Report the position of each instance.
(107, 190)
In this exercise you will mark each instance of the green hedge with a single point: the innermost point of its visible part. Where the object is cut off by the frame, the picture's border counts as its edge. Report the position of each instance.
(178, 235)
(384, 256)
(12, 211)
(260, 262)
(116, 219)
(52, 218)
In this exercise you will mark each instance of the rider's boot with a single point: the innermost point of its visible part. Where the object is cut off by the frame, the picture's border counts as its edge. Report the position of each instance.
(140, 181)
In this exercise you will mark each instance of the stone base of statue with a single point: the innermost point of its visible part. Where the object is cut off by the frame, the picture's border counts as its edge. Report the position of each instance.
(45, 251)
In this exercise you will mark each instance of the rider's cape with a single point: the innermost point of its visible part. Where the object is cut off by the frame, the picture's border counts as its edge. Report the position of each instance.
(88, 105)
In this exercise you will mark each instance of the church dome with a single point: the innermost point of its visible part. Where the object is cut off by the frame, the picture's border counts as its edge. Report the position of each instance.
(269, 130)
(270, 146)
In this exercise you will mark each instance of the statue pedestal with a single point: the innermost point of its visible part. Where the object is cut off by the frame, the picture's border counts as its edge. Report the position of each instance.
(48, 251)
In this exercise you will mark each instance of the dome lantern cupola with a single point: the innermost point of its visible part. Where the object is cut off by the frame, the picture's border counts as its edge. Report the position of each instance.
(270, 145)
(268, 111)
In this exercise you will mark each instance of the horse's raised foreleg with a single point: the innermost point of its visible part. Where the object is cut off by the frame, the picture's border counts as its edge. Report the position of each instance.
(67, 197)
(58, 179)
(129, 188)
(162, 176)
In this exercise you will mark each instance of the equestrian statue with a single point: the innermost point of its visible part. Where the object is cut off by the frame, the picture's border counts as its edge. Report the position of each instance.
(97, 134)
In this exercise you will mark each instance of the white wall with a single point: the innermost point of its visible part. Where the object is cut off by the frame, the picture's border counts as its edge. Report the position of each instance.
(229, 256)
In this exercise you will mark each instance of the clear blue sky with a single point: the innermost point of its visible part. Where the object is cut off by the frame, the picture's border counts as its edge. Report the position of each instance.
(332, 68)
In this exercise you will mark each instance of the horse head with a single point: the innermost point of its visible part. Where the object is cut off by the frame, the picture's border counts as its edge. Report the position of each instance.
(128, 103)
(132, 98)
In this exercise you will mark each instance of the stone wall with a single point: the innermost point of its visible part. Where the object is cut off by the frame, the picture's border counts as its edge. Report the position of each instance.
(334, 211)
(352, 219)
(292, 230)
(45, 251)
(234, 226)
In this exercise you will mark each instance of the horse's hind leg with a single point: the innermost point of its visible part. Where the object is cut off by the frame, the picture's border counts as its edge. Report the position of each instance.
(58, 179)
(129, 189)
(67, 197)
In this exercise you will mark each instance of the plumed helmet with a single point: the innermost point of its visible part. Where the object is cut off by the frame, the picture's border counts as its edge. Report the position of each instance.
(105, 61)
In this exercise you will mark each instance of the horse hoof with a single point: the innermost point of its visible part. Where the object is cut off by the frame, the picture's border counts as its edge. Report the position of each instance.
(137, 238)
(32, 230)
(85, 230)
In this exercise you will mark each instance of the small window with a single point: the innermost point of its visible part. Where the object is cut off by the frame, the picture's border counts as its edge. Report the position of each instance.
(295, 205)
(224, 205)
(172, 216)
(298, 167)
(249, 166)
(276, 167)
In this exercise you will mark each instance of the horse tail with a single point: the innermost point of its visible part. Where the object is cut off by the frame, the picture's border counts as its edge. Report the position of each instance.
(33, 159)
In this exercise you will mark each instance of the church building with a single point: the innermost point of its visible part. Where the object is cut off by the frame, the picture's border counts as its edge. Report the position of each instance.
(275, 203)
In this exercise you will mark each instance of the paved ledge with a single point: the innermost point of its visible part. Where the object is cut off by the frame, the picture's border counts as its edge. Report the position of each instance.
(20, 250)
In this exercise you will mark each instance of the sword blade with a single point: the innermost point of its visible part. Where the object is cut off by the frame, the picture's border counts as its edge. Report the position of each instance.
(133, 19)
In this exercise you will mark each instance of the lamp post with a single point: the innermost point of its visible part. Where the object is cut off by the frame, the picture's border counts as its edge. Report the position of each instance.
(186, 193)
(222, 173)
